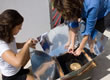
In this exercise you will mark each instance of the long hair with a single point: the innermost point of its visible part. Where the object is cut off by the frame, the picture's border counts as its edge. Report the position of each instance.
(9, 19)
(69, 9)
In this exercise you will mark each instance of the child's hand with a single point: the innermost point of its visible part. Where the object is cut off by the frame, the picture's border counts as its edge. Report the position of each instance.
(77, 52)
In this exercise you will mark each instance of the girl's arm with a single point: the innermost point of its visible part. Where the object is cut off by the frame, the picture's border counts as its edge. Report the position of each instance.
(92, 13)
(18, 59)
(73, 33)
(82, 44)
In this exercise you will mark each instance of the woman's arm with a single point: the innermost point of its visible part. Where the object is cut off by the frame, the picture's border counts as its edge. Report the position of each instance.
(73, 33)
(91, 18)
(82, 44)
(18, 59)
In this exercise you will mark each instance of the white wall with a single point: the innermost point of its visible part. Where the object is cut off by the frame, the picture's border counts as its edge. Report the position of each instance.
(36, 17)
(35, 13)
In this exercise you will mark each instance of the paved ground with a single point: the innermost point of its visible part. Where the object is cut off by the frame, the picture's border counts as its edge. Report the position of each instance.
(102, 71)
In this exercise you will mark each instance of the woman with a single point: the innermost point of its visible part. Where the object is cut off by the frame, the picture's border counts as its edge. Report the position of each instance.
(96, 14)
(11, 61)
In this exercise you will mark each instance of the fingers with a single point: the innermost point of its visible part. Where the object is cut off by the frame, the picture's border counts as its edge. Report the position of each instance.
(34, 41)
(31, 42)
(77, 52)
(70, 50)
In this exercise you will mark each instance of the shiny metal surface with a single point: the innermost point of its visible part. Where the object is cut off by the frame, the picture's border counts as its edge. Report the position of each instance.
(43, 66)
(53, 45)
(55, 40)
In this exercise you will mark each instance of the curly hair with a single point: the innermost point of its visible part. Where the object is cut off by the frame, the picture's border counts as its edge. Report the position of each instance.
(69, 9)
(9, 19)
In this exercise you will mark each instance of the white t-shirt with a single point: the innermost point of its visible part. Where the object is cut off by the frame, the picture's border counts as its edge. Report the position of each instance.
(7, 69)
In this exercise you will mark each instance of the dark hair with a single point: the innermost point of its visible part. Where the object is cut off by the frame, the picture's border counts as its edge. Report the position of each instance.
(9, 19)
(69, 9)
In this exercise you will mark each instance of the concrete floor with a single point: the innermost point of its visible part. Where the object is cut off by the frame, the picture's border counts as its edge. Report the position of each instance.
(102, 71)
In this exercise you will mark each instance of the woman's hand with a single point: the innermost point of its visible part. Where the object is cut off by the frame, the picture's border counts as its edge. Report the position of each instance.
(31, 43)
(77, 52)
(82, 45)
(71, 49)
(34, 42)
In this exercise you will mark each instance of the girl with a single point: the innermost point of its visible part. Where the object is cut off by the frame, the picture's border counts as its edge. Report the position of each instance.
(11, 61)
(96, 14)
